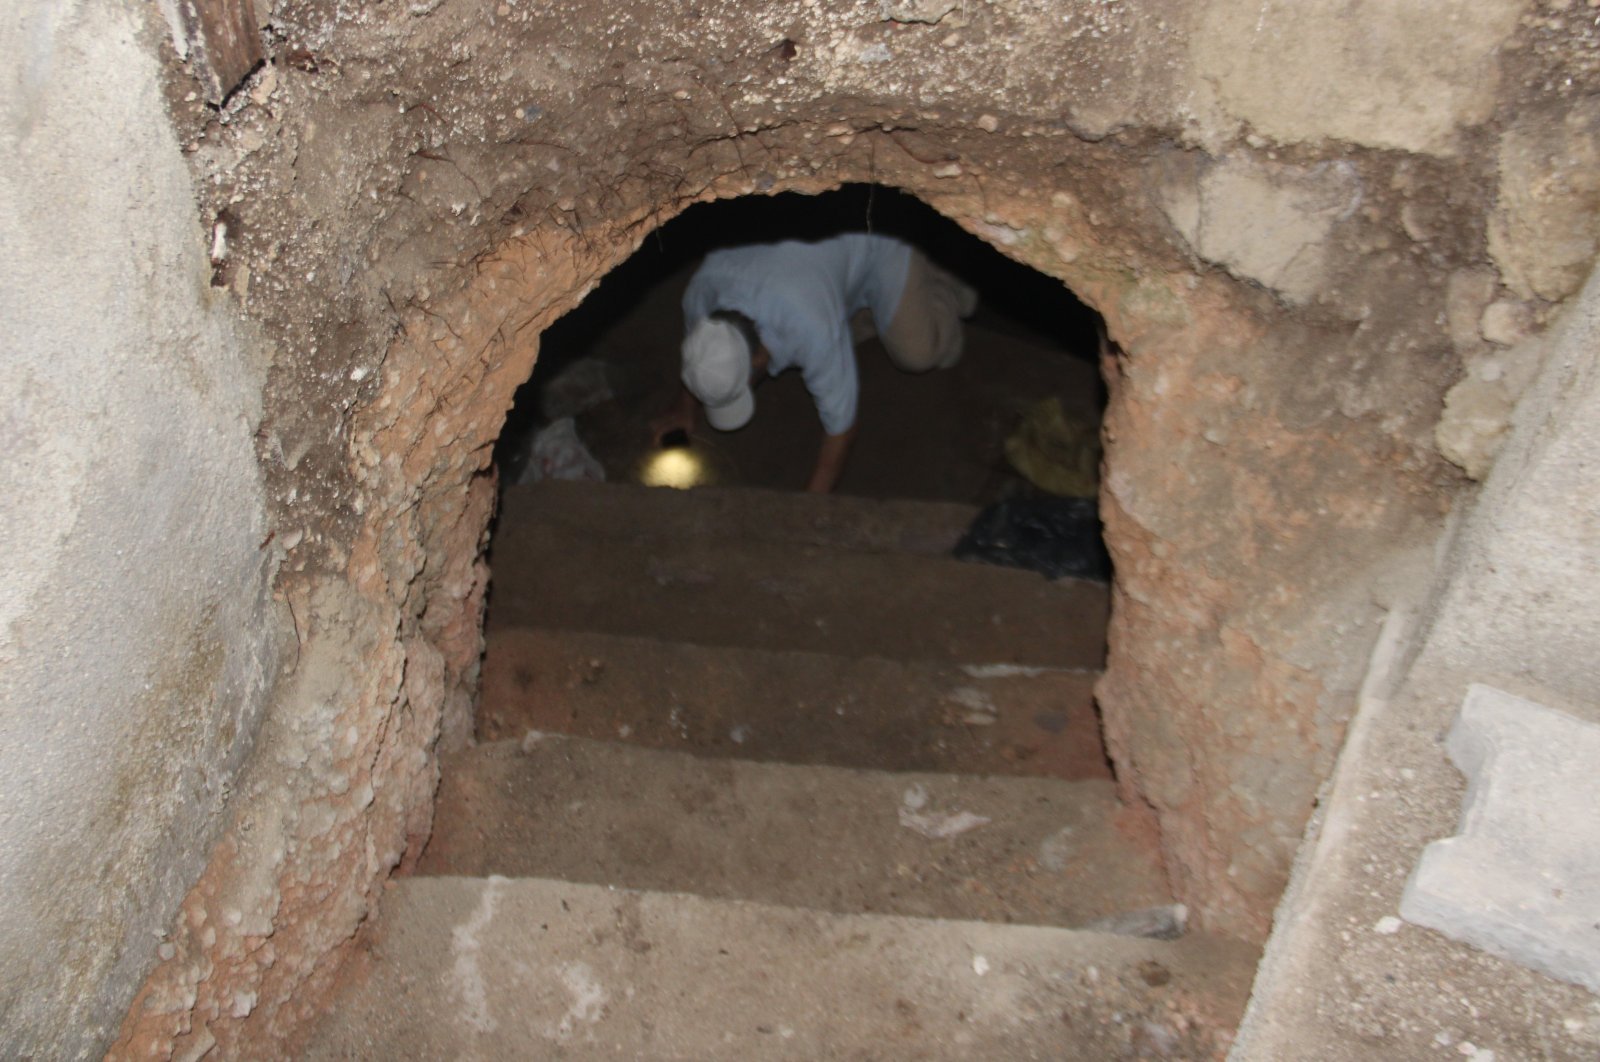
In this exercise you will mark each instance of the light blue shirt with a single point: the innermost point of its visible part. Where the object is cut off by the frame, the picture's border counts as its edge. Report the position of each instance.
(801, 297)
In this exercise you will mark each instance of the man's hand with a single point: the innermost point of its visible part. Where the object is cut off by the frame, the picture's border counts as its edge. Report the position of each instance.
(680, 417)
(830, 461)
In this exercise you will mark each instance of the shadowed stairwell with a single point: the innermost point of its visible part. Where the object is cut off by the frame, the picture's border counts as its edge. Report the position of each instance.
(764, 774)
(771, 776)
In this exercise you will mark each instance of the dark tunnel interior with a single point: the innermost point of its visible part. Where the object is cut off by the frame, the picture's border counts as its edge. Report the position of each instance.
(1030, 340)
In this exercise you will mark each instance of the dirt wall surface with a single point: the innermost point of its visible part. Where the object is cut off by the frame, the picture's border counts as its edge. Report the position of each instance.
(1297, 274)
(138, 642)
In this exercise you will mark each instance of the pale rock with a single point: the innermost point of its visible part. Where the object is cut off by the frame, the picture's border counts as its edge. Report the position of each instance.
(1477, 415)
(1469, 291)
(1265, 221)
(925, 11)
(1394, 76)
(1545, 229)
(1506, 323)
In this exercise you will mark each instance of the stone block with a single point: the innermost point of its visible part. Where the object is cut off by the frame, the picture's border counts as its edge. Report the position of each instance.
(1397, 76)
(1477, 415)
(1266, 222)
(1522, 878)
(1545, 229)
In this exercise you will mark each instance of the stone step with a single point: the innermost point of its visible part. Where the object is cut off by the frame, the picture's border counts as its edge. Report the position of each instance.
(1032, 850)
(519, 968)
(624, 577)
(792, 707)
(739, 514)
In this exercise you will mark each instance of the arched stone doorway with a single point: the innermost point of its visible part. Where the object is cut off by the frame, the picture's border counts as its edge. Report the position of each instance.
(416, 193)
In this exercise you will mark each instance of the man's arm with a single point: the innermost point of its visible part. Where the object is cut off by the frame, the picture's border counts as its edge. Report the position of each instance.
(680, 416)
(830, 461)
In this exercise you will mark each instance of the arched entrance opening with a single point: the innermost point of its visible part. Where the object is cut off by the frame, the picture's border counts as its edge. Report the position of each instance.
(411, 237)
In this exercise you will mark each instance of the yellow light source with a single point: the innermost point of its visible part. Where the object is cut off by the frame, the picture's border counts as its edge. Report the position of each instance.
(679, 467)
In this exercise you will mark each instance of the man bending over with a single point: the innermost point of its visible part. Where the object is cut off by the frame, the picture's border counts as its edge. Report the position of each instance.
(752, 312)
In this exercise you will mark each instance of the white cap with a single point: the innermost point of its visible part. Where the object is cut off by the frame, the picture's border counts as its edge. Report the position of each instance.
(716, 370)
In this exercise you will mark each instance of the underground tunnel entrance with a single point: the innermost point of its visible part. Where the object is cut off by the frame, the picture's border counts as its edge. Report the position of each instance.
(1012, 428)
(1269, 437)
(748, 692)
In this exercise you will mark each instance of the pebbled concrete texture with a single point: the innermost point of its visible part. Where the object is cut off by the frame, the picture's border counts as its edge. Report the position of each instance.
(1345, 978)
(138, 642)
(1409, 77)
(504, 968)
(1522, 608)
(1521, 878)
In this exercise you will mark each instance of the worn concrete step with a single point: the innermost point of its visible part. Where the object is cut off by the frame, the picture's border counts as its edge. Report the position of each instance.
(761, 593)
(520, 968)
(739, 514)
(998, 849)
(792, 707)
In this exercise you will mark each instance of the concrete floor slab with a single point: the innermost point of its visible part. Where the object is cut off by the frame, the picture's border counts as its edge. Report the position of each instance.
(1031, 850)
(791, 706)
(503, 968)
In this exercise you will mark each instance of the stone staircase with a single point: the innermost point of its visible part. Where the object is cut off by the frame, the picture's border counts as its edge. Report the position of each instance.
(769, 776)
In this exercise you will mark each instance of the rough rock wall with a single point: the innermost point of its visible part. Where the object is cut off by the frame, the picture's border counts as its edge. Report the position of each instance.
(1296, 266)
(138, 641)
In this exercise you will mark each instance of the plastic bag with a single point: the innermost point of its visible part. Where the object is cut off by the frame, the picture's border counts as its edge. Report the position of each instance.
(576, 389)
(558, 453)
(1056, 537)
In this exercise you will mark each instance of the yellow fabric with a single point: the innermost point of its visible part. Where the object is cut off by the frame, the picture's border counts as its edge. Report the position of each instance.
(1057, 452)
